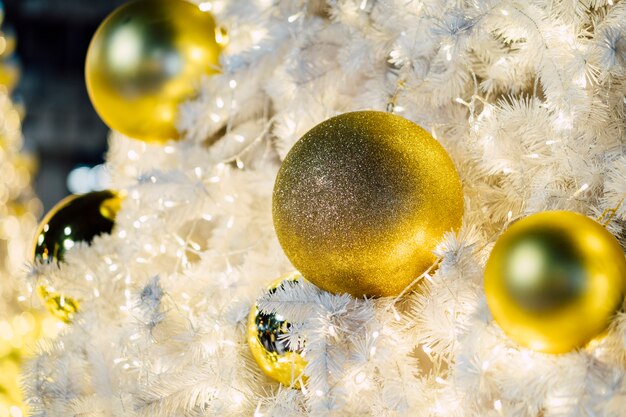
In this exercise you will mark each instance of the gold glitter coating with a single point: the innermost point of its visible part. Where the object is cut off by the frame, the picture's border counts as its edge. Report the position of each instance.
(362, 200)
(554, 280)
(272, 355)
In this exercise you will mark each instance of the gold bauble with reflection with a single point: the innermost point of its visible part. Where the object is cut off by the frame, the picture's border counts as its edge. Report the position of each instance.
(270, 352)
(146, 59)
(554, 280)
(361, 201)
(77, 218)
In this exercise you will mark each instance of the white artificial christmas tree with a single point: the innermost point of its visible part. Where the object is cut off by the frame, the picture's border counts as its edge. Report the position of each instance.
(527, 97)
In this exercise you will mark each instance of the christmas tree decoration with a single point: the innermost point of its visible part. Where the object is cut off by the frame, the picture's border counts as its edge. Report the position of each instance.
(554, 280)
(361, 201)
(265, 337)
(145, 60)
(62, 307)
(77, 218)
(527, 98)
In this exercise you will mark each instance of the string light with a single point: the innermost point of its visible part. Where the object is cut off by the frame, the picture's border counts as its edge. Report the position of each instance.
(497, 405)
(360, 378)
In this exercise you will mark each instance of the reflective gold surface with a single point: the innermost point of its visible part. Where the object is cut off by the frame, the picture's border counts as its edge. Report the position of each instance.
(275, 359)
(62, 307)
(146, 59)
(361, 201)
(77, 218)
(554, 280)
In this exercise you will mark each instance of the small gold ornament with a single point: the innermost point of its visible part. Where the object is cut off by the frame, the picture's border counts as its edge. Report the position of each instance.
(147, 58)
(62, 307)
(554, 280)
(271, 353)
(77, 218)
(361, 201)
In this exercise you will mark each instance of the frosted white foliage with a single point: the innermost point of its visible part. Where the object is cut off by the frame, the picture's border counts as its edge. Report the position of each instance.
(528, 98)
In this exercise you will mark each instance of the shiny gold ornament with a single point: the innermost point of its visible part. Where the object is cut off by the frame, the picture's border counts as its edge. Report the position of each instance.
(147, 58)
(273, 356)
(361, 201)
(554, 280)
(77, 218)
(62, 307)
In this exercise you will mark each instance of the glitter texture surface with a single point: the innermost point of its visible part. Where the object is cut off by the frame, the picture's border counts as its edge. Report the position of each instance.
(361, 201)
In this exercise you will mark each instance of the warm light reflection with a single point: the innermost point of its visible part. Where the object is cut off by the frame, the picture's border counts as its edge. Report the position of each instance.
(124, 53)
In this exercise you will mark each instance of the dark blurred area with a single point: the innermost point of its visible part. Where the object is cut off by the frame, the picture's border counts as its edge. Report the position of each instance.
(61, 126)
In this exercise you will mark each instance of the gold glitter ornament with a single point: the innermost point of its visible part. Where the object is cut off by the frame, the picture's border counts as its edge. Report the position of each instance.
(146, 59)
(272, 355)
(361, 201)
(77, 218)
(554, 280)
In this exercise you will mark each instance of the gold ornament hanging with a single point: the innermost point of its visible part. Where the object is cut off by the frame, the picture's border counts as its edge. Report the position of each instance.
(554, 280)
(272, 355)
(62, 307)
(145, 60)
(361, 201)
(77, 218)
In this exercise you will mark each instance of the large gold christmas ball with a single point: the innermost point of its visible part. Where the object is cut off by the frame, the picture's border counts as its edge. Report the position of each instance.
(271, 353)
(147, 58)
(554, 280)
(77, 218)
(361, 201)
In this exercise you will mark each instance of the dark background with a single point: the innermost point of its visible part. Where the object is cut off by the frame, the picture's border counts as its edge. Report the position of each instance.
(60, 127)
